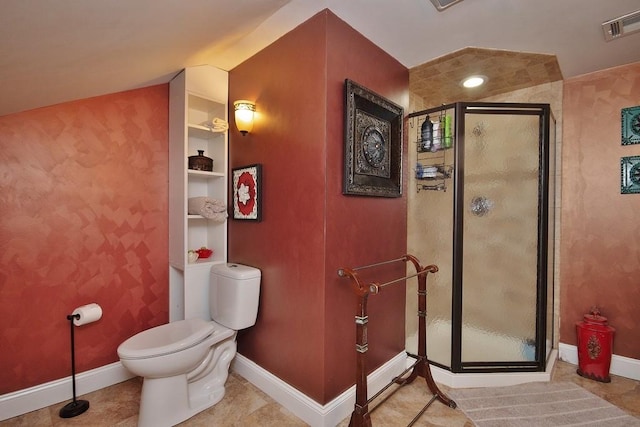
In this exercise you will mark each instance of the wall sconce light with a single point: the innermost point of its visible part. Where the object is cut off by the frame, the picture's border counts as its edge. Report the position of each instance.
(244, 111)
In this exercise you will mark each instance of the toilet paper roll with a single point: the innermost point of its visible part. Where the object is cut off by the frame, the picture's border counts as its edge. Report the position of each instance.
(86, 314)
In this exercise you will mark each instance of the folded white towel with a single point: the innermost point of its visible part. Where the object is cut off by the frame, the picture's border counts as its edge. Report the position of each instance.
(216, 125)
(207, 207)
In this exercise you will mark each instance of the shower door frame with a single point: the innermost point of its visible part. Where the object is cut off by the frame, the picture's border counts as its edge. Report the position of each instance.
(543, 111)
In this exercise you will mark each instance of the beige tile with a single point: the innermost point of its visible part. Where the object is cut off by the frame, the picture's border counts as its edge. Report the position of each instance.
(438, 82)
(246, 405)
(41, 417)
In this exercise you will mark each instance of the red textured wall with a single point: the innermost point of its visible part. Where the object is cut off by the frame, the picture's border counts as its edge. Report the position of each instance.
(84, 219)
(600, 240)
(286, 80)
(305, 332)
(360, 230)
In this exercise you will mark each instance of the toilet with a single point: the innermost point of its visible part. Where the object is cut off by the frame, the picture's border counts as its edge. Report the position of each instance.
(185, 364)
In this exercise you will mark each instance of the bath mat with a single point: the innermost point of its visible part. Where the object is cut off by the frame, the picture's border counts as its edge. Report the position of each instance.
(539, 404)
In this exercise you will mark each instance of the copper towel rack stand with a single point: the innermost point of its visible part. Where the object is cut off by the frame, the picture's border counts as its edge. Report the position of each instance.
(360, 417)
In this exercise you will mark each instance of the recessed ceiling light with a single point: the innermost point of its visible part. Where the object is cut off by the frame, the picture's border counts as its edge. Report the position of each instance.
(474, 81)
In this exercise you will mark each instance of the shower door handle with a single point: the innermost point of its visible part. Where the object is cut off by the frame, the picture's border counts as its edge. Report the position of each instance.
(481, 206)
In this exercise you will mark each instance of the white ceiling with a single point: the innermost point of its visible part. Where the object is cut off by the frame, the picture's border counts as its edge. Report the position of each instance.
(57, 51)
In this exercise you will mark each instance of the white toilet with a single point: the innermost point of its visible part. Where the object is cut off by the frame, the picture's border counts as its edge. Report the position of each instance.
(185, 364)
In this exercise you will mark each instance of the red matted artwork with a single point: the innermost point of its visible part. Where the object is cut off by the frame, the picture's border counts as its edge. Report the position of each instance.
(247, 192)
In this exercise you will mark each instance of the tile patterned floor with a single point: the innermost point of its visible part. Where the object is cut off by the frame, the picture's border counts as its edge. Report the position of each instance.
(245, 405)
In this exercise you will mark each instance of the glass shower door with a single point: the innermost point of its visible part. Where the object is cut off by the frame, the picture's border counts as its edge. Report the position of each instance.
(499, 248)
(490, 231)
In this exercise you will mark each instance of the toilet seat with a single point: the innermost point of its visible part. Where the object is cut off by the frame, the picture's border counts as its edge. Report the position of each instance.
(170, 338)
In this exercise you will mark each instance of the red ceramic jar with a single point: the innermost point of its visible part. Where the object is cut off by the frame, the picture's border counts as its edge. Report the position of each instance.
(595, 346)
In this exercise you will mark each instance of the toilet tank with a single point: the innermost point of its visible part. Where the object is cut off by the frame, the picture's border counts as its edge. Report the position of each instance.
(234, 294)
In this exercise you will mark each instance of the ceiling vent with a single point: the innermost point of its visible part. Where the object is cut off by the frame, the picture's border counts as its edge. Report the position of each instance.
(622, 26)
(443, 4)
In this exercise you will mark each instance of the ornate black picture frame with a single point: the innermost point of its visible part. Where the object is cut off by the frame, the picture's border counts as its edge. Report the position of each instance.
(247, 192)
(372, 144)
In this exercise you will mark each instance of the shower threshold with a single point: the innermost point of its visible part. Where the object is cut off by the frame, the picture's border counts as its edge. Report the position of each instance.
(494, 379)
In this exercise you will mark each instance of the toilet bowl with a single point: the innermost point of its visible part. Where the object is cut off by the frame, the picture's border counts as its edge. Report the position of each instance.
(185, 364)
(171, 349)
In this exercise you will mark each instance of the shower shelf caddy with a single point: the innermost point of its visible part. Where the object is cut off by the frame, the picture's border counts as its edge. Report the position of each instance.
(440, 158)
(360, 417)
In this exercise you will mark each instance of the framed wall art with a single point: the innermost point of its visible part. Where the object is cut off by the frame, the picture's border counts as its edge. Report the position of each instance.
(372, 144)
(630, 175)
(630, 118)
(247, 192)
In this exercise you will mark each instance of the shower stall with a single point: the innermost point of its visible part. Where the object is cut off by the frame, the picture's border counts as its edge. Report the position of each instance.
(482, 210)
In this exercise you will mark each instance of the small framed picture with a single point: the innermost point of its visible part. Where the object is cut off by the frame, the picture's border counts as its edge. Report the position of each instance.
(630, 118)
(247, 192)
(630, 175)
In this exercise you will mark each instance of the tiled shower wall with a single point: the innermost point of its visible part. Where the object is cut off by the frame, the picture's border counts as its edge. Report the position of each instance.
(548, 93)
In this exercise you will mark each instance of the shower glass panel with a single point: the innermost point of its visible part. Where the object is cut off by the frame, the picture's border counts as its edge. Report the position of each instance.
(500, 245)
(486, 219)
(551, 237)
(438, 237)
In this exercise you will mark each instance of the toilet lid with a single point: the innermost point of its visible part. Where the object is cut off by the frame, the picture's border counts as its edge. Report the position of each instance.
(166, 339)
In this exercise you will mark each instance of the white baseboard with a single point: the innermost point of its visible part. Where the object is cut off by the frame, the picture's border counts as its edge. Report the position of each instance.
(307, 409)
(620, 365)
(47, 394)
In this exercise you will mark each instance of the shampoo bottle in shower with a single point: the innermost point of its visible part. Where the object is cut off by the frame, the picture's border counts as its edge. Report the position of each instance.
(426, 134)
(437, 143)
(448, 141)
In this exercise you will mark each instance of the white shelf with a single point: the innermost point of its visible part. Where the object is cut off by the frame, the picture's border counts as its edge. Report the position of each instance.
(197, 95)
(204, 132)
(204, 262)
(205, 129)
(206, 174)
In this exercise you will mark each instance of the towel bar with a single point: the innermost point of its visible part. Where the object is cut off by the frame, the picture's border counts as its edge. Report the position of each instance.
(360, 417)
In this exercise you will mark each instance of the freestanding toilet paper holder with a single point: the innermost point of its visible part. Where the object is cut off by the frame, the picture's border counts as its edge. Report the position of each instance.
(75, 407)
